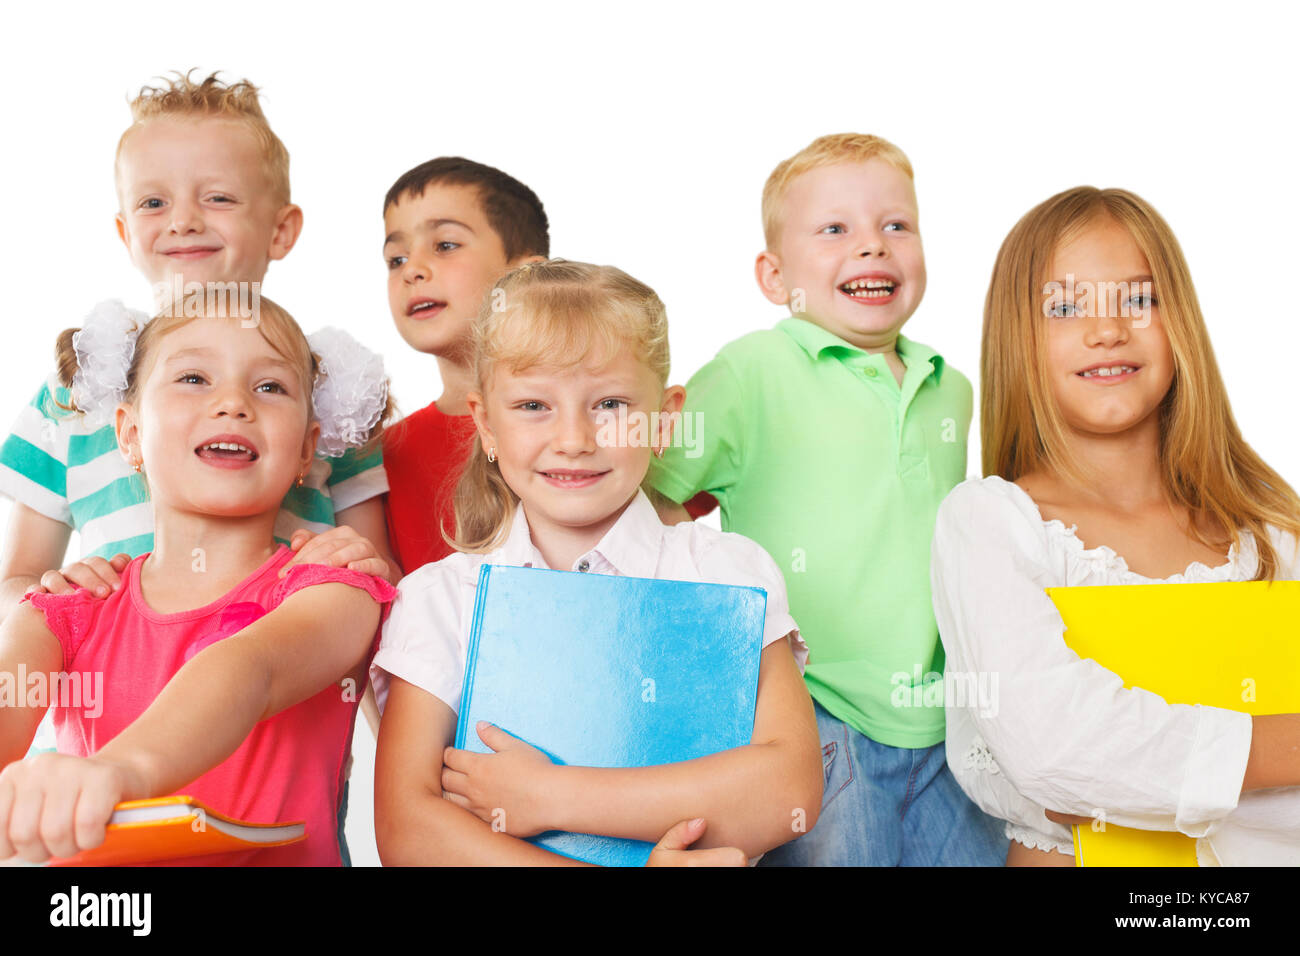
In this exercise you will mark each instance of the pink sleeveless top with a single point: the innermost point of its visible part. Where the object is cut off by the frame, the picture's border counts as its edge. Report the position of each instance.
(290, 767)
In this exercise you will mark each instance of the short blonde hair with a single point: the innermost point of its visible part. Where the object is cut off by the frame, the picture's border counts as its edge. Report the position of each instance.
(554, 314)
(214, 99)
(830, 150)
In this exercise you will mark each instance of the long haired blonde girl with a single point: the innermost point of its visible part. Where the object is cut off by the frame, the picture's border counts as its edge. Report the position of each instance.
(1206, 467)
(555, 315)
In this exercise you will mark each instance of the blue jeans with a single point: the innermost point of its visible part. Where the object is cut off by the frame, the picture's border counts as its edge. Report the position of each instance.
(890, 806)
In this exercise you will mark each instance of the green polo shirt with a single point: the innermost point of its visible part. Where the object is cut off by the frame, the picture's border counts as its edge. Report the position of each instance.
(814, 451)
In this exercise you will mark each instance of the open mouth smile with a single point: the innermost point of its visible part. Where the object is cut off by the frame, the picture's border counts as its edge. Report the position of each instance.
(570, 478)
(228, 451)
(1107, 374)
(871, 289)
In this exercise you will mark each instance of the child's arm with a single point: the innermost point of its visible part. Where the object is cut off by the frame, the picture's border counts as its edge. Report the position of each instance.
(1065, 732)
(699, 459)
(1274, 753)
(756, 797)
(1274, 759)
(311, 640)
(33, 544)
(415, 826)
(26, 646)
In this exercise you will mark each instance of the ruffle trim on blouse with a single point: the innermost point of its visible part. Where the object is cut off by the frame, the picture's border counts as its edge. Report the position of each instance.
(979, 757)
(1240, 565)
(1038, 841)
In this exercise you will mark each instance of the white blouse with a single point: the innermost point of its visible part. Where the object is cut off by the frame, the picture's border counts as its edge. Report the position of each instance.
(426, 636)
(1063, 733)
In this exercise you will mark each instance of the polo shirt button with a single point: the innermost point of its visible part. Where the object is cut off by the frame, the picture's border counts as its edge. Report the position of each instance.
(584, 565)
(871, 372)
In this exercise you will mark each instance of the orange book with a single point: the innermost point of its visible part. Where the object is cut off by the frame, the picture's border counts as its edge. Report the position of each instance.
(168, 828)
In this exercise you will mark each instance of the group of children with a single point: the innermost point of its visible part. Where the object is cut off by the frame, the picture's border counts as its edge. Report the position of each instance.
(246, 506)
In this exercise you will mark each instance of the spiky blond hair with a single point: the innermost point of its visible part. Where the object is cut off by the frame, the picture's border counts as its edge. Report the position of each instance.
(211, 97)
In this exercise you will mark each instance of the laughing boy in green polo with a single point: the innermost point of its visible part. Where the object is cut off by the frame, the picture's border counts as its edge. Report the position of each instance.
(831, 440)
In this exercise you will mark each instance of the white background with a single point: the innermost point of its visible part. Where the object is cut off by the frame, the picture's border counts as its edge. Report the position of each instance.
(648, 132)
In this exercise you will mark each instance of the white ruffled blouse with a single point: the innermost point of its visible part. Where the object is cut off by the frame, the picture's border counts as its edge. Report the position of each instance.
(1063, 733)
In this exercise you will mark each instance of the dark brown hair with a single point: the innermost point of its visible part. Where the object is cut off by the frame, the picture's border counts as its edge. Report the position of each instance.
(512, 209)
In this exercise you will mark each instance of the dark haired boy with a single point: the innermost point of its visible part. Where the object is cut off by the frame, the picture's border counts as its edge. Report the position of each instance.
(452, 227)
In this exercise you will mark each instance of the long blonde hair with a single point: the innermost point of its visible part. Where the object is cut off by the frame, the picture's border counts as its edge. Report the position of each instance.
(1206, 466)
(555, 314)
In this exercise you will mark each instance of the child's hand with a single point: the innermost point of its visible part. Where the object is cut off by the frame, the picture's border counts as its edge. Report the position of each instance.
(671, 849)
(507, 788)
(339, 547)
(57, 805)
(96, 575)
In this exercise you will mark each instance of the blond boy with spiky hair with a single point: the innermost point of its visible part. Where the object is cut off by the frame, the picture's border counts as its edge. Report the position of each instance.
(203, 187)
(831, 440)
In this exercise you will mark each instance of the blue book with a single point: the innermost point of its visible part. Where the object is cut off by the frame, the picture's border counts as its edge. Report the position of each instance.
(597, 670)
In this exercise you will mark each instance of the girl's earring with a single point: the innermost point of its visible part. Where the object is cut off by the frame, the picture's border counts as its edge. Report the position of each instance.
(492, 453)
(299, 481)
(135, 464)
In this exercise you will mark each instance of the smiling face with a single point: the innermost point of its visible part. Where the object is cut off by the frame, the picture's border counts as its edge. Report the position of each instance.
(442, 257)
(197, 202)
(849, 255)
(558, 442)
(221, 420)
(1108, 358)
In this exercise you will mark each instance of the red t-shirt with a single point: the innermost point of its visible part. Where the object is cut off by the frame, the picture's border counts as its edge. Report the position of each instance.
(290, 767)
(700, 505)
(423, 456)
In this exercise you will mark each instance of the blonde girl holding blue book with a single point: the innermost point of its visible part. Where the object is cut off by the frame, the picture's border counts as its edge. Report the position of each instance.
(1112, 458)
(559, 346)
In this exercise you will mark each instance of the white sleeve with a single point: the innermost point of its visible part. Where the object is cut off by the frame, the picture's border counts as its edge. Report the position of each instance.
(34, 456)
(1287, 549)
(1264, 830)
(425, 637)
(1065, 732)
(734, 559)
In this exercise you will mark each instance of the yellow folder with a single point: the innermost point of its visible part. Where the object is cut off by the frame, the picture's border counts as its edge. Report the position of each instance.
(1231, 645)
